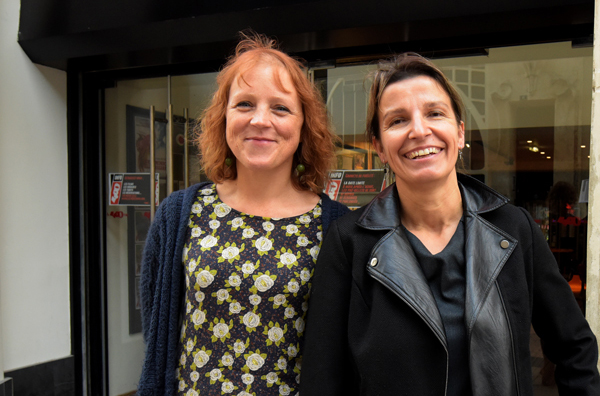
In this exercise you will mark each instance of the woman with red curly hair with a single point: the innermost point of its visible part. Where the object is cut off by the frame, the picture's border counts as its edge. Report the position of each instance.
(227, 266)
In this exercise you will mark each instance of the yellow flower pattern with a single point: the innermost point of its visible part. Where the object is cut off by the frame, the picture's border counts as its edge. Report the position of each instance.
(247, 283)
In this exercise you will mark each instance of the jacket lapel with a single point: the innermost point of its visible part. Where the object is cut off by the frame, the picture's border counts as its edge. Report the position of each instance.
(393, 263)
(398, 269)
(487, 249)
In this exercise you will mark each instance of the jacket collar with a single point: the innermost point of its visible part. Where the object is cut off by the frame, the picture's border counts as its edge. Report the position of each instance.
(487, 248)
(383, 212)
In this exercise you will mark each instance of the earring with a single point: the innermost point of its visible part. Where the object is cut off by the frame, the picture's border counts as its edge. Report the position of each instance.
(300, 168)
(460, 157)
(386, 167)
(228, 161)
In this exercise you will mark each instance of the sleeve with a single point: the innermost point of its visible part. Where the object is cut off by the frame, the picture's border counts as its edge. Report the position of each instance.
(326, 362)
(150, 272)
(566, 337)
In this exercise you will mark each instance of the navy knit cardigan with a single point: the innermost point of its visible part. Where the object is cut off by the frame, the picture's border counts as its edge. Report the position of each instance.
(161, 286)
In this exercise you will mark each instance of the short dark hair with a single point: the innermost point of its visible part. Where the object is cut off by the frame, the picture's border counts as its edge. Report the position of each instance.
(402, 67)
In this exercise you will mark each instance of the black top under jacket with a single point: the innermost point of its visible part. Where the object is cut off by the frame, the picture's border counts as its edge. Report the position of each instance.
(445, 273)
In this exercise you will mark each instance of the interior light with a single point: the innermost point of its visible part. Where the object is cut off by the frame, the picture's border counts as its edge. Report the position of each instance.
(530, 141)
(542, 152)
(534, 149)
(548, 157)
(583, 146)
(468, 145)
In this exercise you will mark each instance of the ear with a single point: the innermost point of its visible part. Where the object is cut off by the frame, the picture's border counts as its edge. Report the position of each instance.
(461, 135)
(379, 149)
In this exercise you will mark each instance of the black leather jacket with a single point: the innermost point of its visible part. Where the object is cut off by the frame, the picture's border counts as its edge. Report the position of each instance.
(373, 324)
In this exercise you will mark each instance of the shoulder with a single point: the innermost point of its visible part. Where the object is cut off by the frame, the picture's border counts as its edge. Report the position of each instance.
(508, 216)
(349, 231)
(188, 195)
(178, 201)
(516, 221)
(335, 208)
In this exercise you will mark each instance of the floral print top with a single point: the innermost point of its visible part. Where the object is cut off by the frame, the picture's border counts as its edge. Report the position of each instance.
(247, 283)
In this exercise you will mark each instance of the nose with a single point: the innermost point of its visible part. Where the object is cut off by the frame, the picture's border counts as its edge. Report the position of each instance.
(260, 117)
(419, 128)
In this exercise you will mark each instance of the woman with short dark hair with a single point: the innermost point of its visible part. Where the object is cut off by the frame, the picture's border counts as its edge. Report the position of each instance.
(432, 288)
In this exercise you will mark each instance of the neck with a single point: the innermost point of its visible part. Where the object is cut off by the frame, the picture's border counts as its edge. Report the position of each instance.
(267, 194)
(431, 207)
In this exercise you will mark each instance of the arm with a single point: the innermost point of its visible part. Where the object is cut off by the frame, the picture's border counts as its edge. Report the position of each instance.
(327, 367)
(566, 337)
(159, 250)
(151, 269)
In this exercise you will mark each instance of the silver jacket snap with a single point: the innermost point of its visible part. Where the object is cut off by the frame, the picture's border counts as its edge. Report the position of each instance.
(504, 244)
(373, 262)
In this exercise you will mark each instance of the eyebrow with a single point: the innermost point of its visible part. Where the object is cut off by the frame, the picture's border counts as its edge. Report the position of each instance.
(428, 105)
(437, 104)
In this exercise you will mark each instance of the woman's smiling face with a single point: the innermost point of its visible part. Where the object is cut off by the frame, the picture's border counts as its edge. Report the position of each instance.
(419, 134)
(264, 118)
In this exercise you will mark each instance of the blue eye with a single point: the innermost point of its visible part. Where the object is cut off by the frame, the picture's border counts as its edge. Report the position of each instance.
(282, 108)
(243, 104)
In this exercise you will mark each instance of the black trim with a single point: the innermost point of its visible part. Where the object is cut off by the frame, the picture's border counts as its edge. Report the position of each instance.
(87, 236)
(75, 192)
(314, 30)
(6, 387)
(45, 379)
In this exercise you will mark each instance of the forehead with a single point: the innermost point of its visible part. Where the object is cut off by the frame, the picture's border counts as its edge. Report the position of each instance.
(418, 89)
(264, 69)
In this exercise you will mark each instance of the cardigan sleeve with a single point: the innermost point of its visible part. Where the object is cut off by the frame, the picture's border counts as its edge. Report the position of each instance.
(151, 261)
(566, 337)
(159, 249)
(326, 363)
(157, 297)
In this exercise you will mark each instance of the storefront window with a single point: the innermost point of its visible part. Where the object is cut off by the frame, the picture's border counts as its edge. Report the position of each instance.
(127, 125)
(527, 132)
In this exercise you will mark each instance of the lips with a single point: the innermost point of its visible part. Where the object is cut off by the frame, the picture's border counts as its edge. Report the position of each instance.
(423, 152)
(260, 139)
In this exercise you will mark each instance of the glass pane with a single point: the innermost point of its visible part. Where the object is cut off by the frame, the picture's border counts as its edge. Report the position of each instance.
(128, 150)
(533, 127)
(347, 99)
(191, 93)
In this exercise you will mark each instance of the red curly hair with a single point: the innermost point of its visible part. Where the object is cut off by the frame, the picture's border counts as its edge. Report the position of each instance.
(317, 148)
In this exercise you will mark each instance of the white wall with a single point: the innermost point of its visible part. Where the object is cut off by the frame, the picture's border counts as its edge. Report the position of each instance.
(34, 260)
(593, 253)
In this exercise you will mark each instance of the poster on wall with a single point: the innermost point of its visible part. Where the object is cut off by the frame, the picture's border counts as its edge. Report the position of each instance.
(355, 188)
(131, 189)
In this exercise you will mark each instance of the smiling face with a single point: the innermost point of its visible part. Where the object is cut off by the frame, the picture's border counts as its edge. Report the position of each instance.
(264, 119)
(419, 134)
